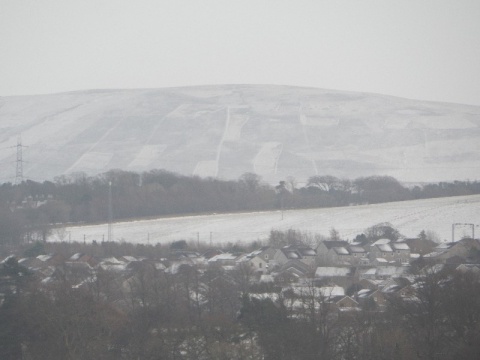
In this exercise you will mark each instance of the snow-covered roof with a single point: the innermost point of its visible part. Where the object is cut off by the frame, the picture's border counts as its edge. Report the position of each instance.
(433, 254)
(444, 246)
(381, 242)
(390, 288)
(371, 271)
(75, 257)
(400, 246)
(341, 250)
(159, 266)
(364, 292)
(266, 278)
(385, 248)
(44, 257)
(307, 252)
(390, 270)
(332, 291)
(7, 258)
(129, 258)
(113, 267)
(223, 257)
(329, 271)
(112, 261)
(357, 249)
(292, 254)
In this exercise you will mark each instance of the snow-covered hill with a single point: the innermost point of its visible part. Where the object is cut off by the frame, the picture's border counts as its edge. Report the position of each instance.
(225, 131)
(409, 217)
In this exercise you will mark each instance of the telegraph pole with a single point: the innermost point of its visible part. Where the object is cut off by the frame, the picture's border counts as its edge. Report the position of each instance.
(110, 211)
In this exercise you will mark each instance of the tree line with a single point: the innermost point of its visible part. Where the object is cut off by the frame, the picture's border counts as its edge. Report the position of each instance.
(30, 209)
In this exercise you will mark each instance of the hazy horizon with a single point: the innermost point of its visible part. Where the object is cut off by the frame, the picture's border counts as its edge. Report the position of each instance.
(424, 50)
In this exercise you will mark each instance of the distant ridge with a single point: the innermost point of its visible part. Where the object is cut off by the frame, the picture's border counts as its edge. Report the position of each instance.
(225, 131)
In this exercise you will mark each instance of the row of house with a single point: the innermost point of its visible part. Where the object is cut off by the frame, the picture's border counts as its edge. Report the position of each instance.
(365, 271)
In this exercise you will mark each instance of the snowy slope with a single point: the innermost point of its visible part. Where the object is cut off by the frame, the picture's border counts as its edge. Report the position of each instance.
(225, 131)
(410, 217)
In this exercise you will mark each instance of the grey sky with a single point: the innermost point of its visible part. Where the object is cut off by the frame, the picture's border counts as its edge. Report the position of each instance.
(411, 48)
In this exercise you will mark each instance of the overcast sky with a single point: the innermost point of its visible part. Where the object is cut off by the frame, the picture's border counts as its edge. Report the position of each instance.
(418, 49)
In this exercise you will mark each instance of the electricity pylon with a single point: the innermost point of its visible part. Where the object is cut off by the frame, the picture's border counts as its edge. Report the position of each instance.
(19, 172)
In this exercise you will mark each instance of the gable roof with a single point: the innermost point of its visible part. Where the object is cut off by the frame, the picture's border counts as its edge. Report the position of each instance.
(295, 266)
(400, 246)
(384, 247)
(356, 249)
(297, 252)
(341, 250)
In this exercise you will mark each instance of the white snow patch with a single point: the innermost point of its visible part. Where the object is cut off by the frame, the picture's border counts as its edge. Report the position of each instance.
(234, 130)
(207, 168)
(92, 161)
(266, 161)
(147, 155)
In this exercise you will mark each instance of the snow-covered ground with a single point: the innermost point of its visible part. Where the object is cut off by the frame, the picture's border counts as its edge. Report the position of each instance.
(409, 217)
(225, 131)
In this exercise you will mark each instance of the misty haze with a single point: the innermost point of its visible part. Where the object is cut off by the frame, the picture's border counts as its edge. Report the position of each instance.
(262, 180)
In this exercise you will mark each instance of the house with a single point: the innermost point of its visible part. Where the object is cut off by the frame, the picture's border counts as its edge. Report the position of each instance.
(331, 253)
(464, 248)
(192, 257)
(112, 264)
(261, 260)
(402, 252)
(228, 259)
(346, 303)
(373, 300)
(407, 292)
(370, 284)
(358, 255)
(291, 272)
(303, 254)
(343, 276)
(255, 262)
(84, 258)
(384, 272)
(381, 249)
(392, 252)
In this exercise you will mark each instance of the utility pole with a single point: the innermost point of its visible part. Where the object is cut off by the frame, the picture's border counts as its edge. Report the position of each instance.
(110, 211)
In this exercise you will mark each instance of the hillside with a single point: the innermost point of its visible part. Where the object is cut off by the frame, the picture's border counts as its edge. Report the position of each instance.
(225, 131)
(409, 217)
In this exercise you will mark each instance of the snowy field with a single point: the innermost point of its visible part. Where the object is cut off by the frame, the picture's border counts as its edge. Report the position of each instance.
(409, 217)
